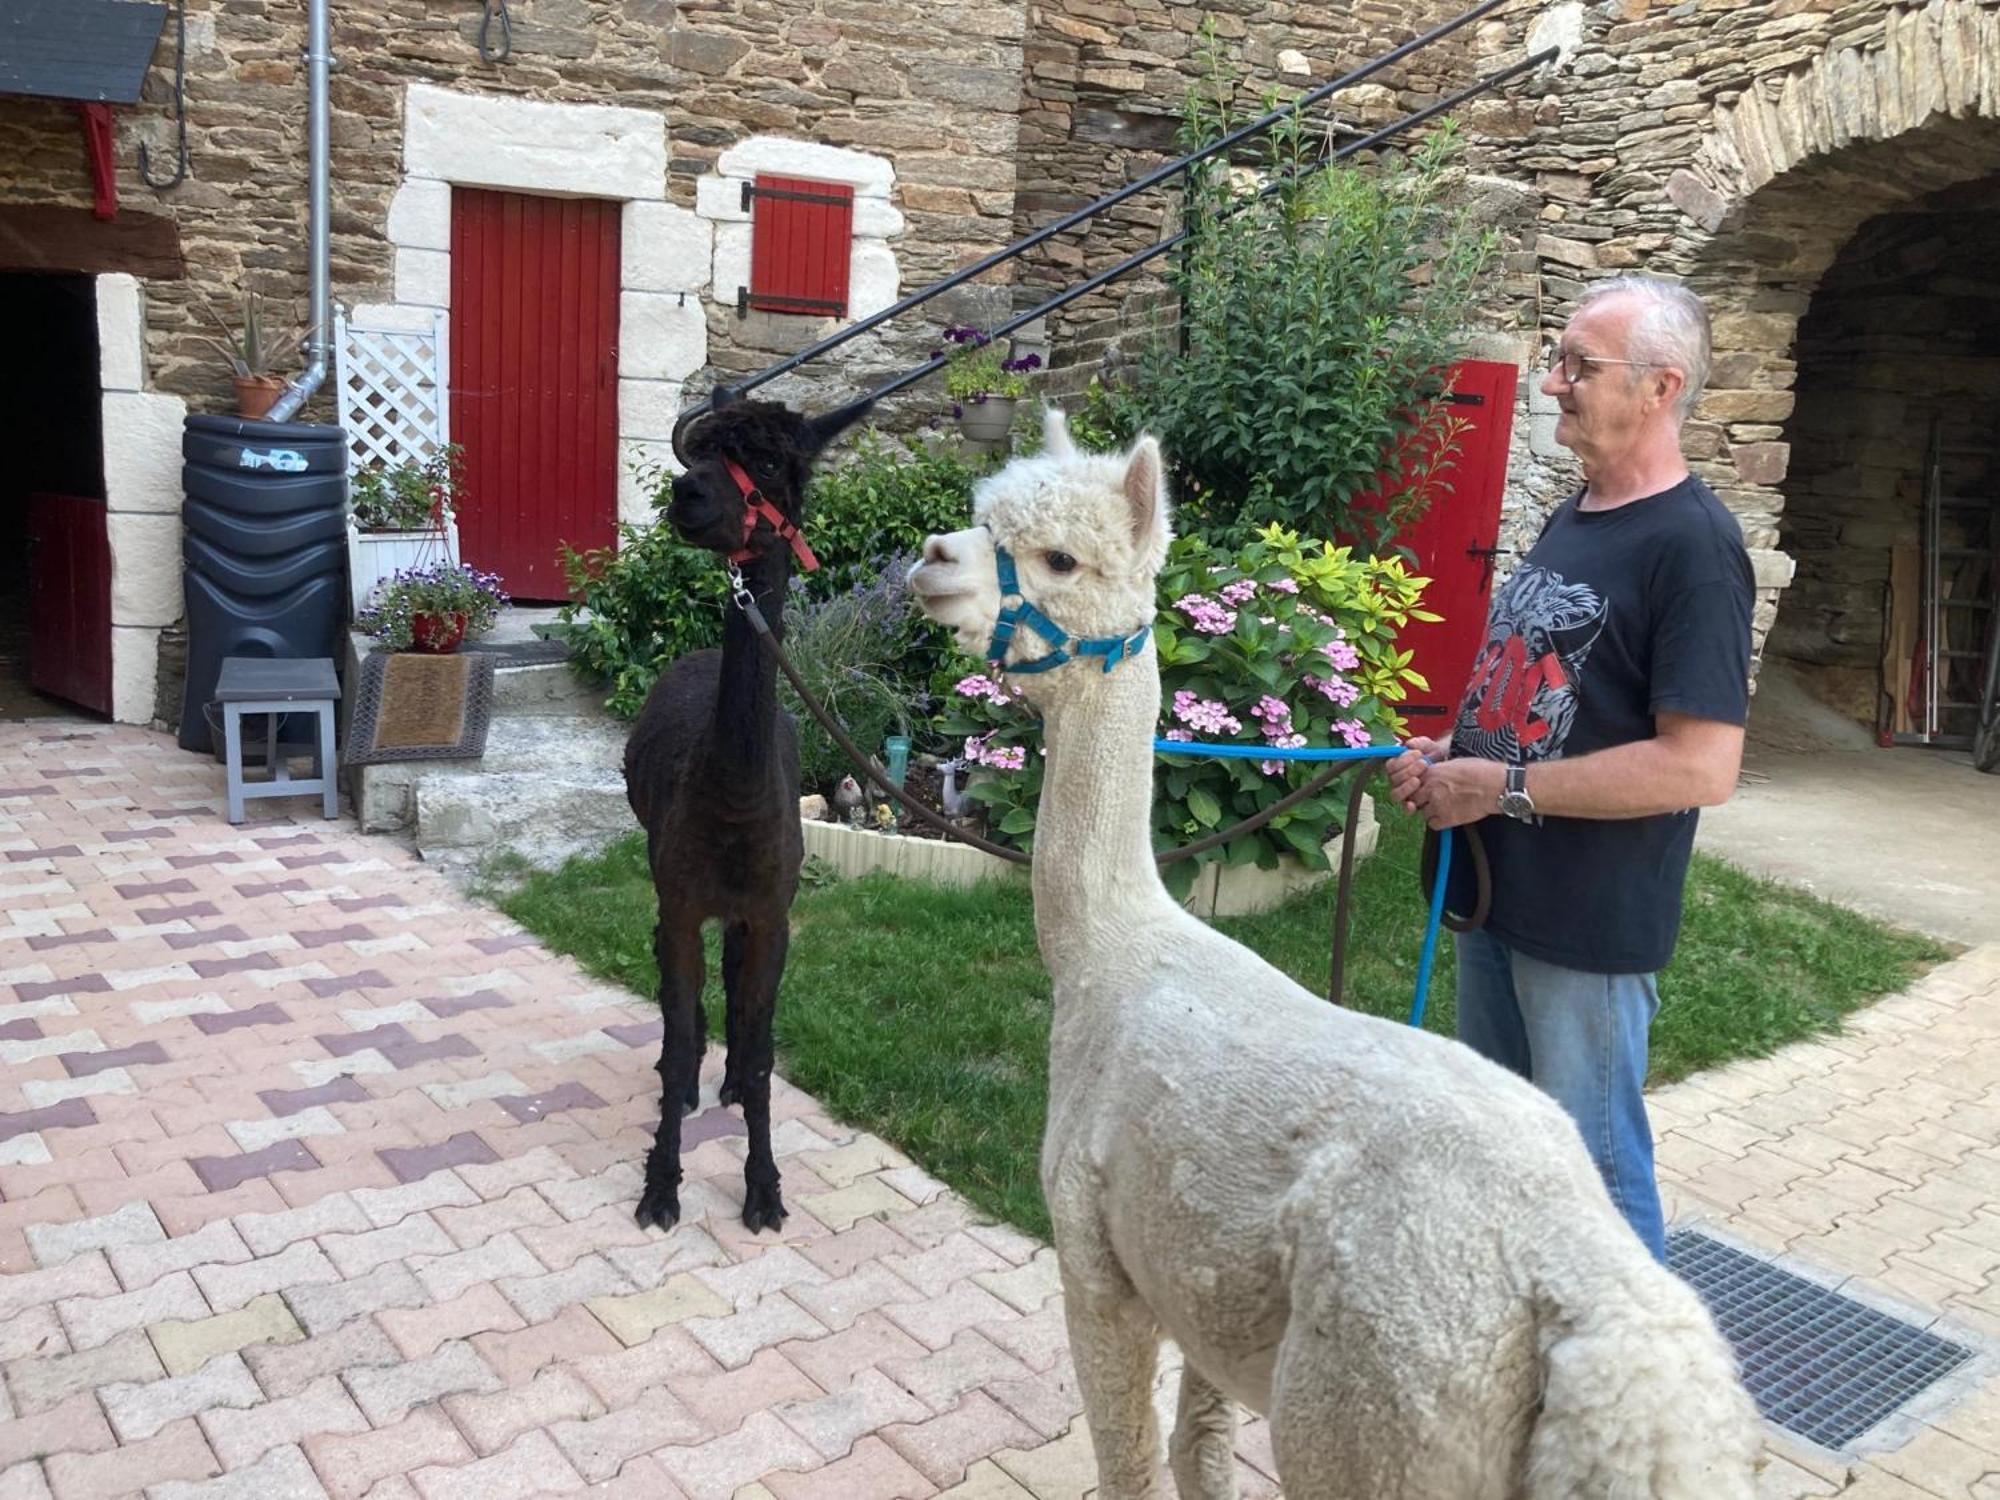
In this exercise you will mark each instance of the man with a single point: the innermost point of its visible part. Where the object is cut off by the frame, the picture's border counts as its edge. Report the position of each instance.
(1607, 704)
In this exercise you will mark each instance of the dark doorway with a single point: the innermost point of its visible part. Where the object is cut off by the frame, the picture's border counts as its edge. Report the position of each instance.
(55, 604)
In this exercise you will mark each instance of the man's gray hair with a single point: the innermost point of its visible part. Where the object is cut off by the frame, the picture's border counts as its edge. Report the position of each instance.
(1671, 329)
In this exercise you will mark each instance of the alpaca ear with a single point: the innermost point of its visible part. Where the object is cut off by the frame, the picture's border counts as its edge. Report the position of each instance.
(1056, 441)
(824, 429)
(1146, 493)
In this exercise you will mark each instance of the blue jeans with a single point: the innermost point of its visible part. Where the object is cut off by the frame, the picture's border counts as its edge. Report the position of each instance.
(1580, 1038)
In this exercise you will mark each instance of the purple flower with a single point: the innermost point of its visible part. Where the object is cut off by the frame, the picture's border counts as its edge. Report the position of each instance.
(1206, 714)
(1239, 592)
(1178, 734)
(1284, 585)
(1207, 616)
(1353, 731)
(1337, 690)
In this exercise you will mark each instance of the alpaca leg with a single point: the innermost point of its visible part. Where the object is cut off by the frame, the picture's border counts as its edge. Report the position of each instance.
(1116, 1345)
(677, 947)
(1203, 1449)
(734, 937)
(691, 1096)
(751, 1008)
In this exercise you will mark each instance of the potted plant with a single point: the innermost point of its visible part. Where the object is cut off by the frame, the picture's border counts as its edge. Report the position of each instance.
(1284, 642)
(982, 385)
(433, 608)
(402, 517)
(253, 355)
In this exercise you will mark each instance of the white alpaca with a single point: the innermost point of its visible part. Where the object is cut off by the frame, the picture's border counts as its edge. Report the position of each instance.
(1398, 1251)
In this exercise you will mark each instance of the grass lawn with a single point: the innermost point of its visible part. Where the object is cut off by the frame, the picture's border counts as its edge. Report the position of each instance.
(922, 1014)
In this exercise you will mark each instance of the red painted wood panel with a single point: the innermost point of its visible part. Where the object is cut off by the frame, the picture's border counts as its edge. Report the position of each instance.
(69, 600)
(800, 246)
(534, 381)
(1452, 538)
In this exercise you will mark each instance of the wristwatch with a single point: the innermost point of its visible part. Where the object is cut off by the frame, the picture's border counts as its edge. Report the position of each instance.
(1514, 799)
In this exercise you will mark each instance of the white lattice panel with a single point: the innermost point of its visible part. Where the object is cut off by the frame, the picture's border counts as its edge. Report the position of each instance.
(391, 392)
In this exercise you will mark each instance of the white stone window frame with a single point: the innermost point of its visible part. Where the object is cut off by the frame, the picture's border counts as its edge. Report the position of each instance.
(510, 144)
(141, 438)
(874, 279)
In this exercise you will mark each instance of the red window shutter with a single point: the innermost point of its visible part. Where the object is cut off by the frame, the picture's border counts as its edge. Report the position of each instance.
(801, 234)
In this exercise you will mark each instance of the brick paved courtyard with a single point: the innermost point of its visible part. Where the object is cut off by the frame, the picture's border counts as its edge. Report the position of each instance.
(318, 1179)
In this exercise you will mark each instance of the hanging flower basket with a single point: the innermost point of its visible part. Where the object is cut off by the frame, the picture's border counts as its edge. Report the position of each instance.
(987, 421)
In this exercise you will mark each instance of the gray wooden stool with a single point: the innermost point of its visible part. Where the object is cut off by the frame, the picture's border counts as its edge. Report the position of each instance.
(263, 685)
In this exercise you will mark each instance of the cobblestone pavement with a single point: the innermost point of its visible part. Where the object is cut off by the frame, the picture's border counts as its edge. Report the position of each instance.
(1870, 1160)
(316, 1180)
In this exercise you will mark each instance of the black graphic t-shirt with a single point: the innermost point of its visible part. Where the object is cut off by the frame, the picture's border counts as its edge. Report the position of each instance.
(1613, 617)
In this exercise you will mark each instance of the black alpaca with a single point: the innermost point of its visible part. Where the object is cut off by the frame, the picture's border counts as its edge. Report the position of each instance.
(712, 770)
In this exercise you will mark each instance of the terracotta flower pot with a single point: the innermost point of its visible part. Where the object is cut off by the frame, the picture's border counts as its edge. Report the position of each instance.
(437, 634)
(255, 394)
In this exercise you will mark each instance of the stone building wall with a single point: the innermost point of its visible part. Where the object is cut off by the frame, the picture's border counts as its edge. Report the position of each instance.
(665, 107)
(1103, 87)
(1739, 147)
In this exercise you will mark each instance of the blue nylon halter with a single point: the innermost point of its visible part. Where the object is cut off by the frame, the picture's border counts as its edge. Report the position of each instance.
(1063, 647)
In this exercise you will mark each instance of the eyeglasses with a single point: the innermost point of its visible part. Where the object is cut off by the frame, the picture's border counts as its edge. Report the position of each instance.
(1571, 363)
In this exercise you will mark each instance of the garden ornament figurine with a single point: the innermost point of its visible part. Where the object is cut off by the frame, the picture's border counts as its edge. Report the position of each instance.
(712, 771)
(1396, 1250)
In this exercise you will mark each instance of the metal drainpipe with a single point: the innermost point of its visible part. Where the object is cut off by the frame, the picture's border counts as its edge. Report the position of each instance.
(319, 62)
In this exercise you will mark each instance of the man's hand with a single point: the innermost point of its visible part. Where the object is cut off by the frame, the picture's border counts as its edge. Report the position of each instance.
(1455, 792)
(1406, 771)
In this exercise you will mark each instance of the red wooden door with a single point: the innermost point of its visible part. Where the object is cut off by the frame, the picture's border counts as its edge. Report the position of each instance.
(534, 381)
(69, 600)
(1454, 541)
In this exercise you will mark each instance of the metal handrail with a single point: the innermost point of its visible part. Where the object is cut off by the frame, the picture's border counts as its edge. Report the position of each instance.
(840, 336)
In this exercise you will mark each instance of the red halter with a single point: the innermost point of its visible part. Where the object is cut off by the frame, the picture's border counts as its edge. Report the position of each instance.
(755, 505)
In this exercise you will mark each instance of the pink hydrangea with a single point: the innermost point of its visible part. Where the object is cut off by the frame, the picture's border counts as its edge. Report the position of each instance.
(1337, 690)
(1206, 615)
(1207, 715)
(1239, 592)
(978, 686)
(1178, 734)
(1341, 654)
(980, 752)
(1352, 731)
(1283, 585)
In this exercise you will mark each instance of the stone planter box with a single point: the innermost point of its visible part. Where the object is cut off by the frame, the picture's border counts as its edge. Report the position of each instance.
(374, 555)
(858, 851)
(1240, 890)
(1218, 892)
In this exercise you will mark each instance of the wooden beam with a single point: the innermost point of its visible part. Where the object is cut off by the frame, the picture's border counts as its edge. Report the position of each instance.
(43, 237)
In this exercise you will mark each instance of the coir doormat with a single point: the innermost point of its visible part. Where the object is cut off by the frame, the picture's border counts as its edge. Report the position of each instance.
(417, 707)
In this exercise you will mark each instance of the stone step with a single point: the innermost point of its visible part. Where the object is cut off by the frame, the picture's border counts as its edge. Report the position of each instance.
(577, 747)
(544, 816)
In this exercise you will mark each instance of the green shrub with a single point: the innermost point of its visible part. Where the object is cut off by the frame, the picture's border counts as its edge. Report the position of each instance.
(1282, 643)
(635, 610)
(1317, 324)
(858, 652)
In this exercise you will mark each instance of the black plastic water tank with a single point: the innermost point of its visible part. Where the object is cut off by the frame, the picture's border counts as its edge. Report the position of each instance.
(264, 543)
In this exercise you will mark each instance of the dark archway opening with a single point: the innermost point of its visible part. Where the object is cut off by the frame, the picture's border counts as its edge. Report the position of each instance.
(1898, 396)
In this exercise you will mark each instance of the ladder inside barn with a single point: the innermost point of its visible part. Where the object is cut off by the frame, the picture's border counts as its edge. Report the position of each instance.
(1955, 687)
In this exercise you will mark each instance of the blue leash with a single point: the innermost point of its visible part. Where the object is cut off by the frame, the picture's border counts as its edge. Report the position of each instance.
(1233, 751)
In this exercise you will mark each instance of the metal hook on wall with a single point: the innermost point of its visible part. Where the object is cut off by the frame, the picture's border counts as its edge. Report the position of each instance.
(180, 111)
(495, 8)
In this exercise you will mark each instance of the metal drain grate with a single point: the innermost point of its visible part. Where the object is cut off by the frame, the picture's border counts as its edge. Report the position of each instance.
(1818, 1364)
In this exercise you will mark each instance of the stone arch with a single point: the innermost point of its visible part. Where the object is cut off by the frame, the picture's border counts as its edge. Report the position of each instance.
(1791, 169)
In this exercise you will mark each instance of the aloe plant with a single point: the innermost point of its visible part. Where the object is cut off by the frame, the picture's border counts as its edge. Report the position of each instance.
(250, 352)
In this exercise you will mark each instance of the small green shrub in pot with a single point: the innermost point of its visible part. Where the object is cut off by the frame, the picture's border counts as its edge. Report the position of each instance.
(409, 496)
(979, 372)
(1282, 642)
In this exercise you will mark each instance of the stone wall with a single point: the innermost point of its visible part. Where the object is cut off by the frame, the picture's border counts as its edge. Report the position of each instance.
(932, 88)
(1737, 146)
(1903, 333)
(1104, 84)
